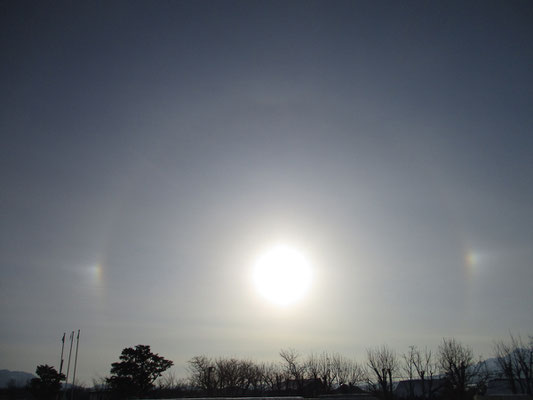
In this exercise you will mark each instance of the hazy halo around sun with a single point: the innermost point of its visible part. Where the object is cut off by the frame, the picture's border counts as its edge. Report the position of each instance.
(282, 275)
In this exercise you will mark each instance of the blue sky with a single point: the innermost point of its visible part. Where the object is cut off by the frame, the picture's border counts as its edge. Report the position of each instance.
(151, 151)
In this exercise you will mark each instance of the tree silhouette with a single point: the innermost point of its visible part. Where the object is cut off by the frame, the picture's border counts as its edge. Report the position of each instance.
(460, 369)
(382, 365)
(48, 383)
(515, 362)
(135, 373)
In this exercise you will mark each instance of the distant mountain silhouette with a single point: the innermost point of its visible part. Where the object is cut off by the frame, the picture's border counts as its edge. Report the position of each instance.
(492, 366)
(20, 378)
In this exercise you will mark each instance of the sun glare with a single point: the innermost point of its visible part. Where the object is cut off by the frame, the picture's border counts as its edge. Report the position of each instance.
(282, 275)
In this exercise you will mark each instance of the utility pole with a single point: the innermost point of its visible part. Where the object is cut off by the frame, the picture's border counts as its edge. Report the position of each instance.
(62, 348)
(68, 364)
(75, 365)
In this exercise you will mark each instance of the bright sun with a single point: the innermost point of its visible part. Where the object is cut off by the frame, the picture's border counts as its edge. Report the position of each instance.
(282, 275)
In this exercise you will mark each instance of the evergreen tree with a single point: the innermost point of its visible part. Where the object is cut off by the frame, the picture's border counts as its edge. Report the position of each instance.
(135, 373)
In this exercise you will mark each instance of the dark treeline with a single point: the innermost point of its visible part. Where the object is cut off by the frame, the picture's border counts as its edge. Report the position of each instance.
(449, 372)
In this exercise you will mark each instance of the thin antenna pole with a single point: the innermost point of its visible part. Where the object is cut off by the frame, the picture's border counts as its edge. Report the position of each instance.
(75, 364)
(62, 348)
(69, 354)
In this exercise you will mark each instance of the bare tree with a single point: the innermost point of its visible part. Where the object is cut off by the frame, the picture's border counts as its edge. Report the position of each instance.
(426, 369)
(332, 370)
(420, 366)
(100, 383)
(312, 367)
(346, 371)
(461, 371)
(201, 369)
(515, 360)
(327, 371)
(295, 370)
(227, 375)
(524, 356)
(273, 377)
(382, 364)
(409, 368)
(252, 376)
(167, 381)
(507, 364)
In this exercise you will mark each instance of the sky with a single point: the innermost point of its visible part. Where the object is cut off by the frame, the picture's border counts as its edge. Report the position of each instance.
(152, 151)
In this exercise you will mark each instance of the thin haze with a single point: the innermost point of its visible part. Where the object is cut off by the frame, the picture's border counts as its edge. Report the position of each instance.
(152, 150)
